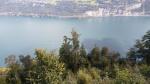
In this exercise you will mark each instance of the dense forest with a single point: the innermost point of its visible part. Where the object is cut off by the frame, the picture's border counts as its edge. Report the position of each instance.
(74, 65)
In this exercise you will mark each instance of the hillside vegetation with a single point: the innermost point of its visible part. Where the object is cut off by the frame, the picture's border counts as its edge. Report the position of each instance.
(73, 65)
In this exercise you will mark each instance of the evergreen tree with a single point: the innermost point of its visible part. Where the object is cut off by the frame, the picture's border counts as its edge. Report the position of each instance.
(65, 52)
(27, 73)
(105, 57)
(95, 57)
(71, 53)
(83, 57)
(146, 47)
(83, 52)
(141, 48)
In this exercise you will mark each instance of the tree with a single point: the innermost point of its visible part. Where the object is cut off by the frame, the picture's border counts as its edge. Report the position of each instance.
(146, 45)
(95, 57)
(10, 60)
(83, 52)
(65, 51)
(132, 53)
(49, 70)
(71, 53)
(20, 71)
(27, 73)
(75, 51)
(105, 57)
(83, 58)
(141, 48)
(114, 57)
(12, 75)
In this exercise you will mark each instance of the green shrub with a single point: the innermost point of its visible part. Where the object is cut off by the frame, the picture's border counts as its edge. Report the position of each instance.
(92, 76)
(127, 76)
(13, 76)
(145, 70)
(49, 69)
(84, 77)
(3, 80)
(70, 78)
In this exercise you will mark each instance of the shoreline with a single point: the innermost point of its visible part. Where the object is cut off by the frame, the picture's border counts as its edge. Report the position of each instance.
(77, 16)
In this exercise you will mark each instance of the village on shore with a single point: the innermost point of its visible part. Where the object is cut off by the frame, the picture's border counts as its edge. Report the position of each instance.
(74, 8)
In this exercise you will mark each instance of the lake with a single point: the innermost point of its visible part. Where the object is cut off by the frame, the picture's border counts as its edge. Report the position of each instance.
(21, 35)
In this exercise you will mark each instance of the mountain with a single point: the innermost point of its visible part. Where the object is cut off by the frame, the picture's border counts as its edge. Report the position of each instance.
(74, 7)
(43, 7)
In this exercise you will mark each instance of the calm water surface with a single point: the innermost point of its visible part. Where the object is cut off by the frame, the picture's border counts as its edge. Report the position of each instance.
(21, 35)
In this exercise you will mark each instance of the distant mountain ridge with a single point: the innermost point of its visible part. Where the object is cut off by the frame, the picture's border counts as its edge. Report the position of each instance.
(75, 8)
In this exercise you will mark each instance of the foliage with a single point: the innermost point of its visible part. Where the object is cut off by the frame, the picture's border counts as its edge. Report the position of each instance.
(145, 70)
(12, 75)
(95, 57)
(70, 78)
(74, 65)
(142, 48)
(27, 71)
(84, 77)
(49, 70)
(72, 54)
(127, 76)
(2, 80)
(44, 69)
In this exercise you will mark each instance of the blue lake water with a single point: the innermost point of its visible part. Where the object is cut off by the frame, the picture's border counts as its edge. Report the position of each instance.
(21, 35)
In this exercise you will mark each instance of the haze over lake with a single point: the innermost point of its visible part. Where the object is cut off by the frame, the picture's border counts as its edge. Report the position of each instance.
(21, 35)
